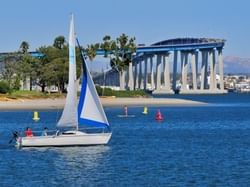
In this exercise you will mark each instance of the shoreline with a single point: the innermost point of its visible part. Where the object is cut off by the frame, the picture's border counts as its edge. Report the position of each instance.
(43, 104)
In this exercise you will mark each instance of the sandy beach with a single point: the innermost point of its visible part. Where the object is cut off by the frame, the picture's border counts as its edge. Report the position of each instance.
(40, 104)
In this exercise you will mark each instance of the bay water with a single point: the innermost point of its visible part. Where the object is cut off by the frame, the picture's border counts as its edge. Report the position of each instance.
(193, 146)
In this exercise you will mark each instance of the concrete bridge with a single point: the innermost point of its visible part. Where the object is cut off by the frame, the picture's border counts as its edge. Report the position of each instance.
(198, 60)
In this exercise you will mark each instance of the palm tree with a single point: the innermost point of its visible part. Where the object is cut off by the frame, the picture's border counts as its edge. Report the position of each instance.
(122, 50)
(119, 52)
(91, 51)
(106, 45)
(24, 47)
(59, 42)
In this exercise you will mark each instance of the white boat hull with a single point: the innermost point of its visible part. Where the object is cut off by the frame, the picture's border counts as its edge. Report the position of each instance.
(77, 139)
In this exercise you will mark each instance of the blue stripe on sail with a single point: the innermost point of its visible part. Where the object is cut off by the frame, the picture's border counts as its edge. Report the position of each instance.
(84, 121)
(92, 123)
(71, 54)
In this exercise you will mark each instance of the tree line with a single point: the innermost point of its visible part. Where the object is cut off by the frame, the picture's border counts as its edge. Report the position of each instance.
(51, 68)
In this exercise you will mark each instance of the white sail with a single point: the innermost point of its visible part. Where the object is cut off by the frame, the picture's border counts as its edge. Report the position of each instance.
(90, 109)
(69, 115)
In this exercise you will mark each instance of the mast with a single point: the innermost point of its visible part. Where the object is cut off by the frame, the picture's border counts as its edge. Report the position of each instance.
(69, 115)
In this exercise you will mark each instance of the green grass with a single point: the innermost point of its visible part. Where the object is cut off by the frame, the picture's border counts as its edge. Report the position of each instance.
(136, 93)
(24, 94)
(31, 95)
(124, 93)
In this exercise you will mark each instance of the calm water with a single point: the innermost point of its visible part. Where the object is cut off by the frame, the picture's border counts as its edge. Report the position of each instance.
(193, 146)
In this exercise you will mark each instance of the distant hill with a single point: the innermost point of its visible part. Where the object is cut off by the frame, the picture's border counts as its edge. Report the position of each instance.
(237, 65)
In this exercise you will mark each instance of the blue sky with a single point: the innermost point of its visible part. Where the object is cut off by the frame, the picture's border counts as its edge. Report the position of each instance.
(39, 21)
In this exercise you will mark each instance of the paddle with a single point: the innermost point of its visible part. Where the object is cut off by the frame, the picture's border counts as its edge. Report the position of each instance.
(15, 135)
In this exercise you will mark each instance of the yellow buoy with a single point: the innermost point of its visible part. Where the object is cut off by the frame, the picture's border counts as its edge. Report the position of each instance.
(35, 116)
(145, 110)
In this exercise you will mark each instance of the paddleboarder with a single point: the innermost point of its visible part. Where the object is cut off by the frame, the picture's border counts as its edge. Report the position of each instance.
(126, 110)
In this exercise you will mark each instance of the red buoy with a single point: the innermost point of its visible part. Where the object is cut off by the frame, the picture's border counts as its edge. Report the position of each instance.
(158, 116)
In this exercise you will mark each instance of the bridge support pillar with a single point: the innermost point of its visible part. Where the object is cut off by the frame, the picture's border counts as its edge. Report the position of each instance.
(214, 70)
(145, 83)
(152, 73)
(221, 71)
(184, 57)
(211, 81)
(158, 72)
(194, 70)
(166, 73)
(140, 75)
(175, 70)
(204, 55)
(136, 76)
(130, 77)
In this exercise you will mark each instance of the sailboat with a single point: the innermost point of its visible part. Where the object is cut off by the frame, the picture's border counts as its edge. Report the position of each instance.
(87, 112)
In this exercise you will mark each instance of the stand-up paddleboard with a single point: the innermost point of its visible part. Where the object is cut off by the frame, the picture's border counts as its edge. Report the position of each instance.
(125, 116)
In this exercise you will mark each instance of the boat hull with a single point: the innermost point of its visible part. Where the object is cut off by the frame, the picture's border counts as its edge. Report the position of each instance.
(79, 139)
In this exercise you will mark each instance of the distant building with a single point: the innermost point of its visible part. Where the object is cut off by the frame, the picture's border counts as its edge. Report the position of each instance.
(237, 83)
